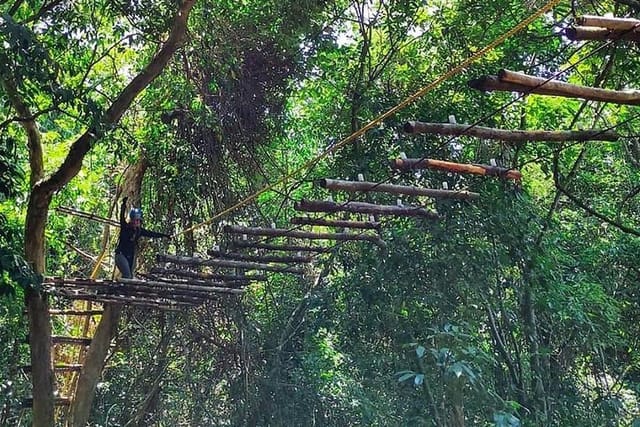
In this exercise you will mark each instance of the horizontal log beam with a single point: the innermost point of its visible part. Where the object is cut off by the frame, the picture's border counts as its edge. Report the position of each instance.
(141, 292)
(368, 208)
(280, 232)
(124, 283)
(507, 135)
(597, 33)
(75, 312)
(57, 401)
(56, 368)
(492, 83)
(620, 24)
(230, 279)
(352, 186)
(631, 97)
(228, 264)
(247, 244)
(120, 300)
(339, 223)
(475, 169)
(196, 282)
(517, 82)
(179, 286)
(71, 340)
(260, 258)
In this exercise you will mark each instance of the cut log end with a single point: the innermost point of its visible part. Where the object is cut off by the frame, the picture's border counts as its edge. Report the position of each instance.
(571, 33)
(480, 83)
(409, 127)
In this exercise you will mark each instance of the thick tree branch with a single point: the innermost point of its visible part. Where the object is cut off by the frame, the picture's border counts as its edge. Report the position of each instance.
(595, 213)
(511, 135)
(27, 120)
(73, 162)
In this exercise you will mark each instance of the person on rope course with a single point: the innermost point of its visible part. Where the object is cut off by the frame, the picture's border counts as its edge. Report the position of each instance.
(130, 233)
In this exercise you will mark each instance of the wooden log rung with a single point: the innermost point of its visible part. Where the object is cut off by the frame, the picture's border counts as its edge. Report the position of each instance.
(509, 135)
(227, 278)
(126, 284)
(274, 247)
(71, 340)
(610, 22)
(353, 186)
(75, 312)
(196, 282)
(179, 286)
(259, 258)
(597, 33)
(169, 292)
(337, 223)
(517, 82)
(280, 232)
(475, 169)
(360, 207)
(57, 401)
(56, 368)
(228, 264)
(112, 299)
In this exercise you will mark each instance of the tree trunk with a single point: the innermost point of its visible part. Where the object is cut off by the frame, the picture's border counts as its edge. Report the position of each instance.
(42, 375)
(455, 395)
(93, 365)
(107, 328)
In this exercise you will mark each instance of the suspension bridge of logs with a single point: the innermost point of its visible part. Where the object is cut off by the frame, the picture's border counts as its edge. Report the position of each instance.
(251, 254)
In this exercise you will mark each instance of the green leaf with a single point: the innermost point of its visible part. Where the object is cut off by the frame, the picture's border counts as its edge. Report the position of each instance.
(406, 375)
(419, 379)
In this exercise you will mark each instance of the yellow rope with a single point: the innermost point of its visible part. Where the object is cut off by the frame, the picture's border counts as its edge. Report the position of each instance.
(544, 9)
(96, 269)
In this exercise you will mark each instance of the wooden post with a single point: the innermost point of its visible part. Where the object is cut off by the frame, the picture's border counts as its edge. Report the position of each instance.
(279, 232)
(360, 207)
(476, 169)
(351, 186)
(508, 135)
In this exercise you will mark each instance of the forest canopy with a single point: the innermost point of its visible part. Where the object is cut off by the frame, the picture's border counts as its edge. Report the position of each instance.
(382, 212)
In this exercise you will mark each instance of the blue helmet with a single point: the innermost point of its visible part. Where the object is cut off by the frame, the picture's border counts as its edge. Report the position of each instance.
(135, 213)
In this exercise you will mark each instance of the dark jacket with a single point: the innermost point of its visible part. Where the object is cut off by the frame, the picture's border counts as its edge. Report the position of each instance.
(129, 236)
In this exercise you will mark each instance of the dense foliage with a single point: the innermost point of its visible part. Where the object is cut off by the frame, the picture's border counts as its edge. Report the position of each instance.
(519, 308)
